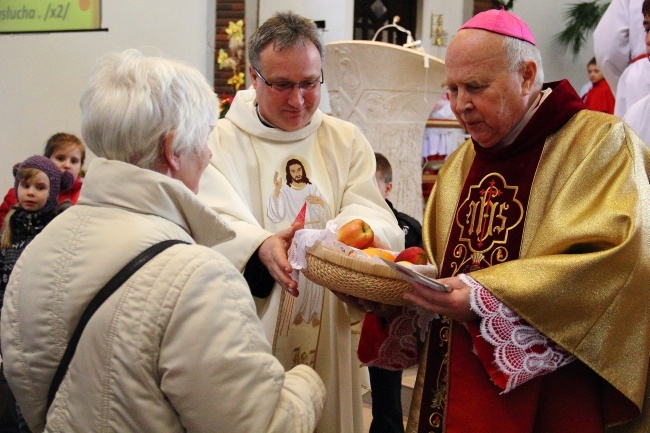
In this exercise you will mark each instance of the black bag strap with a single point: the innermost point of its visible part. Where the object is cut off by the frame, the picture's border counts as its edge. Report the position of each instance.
(101, 296)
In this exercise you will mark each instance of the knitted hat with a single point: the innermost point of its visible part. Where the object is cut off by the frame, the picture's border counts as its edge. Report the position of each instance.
(58, 181)
(501, 22)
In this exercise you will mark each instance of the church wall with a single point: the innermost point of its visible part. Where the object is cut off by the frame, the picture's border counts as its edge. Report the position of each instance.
(43, 74)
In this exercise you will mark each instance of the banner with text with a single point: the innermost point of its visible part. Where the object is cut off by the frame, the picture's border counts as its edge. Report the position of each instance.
(28, 16)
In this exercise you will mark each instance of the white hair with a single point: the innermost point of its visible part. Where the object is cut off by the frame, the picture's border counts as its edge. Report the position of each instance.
(131, 102)
(518, 52)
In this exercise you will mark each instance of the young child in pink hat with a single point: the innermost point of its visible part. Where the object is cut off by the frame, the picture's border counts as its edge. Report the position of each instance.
(68, 152)
(38, 182)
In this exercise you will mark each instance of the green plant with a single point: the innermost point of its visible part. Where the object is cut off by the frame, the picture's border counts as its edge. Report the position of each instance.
(234, 59)
(581, 19)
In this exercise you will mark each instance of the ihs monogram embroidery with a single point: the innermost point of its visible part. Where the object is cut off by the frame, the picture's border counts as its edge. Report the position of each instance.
(490, 211)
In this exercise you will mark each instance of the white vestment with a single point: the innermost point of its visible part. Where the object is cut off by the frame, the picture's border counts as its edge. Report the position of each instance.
(633, 85)
(638, 117)
(339, 162)
(619, 37)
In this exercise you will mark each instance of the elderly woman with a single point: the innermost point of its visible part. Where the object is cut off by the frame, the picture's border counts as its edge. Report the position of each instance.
(179, 346)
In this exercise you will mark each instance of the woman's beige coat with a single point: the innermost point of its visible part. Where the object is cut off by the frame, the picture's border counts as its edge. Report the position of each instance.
(178, 348)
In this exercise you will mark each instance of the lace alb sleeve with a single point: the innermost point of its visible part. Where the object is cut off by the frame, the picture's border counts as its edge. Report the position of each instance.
(521, 352)
(396, 346)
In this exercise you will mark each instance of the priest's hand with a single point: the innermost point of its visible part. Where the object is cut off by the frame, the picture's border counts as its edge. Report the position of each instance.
(454, 304)
(273, 253)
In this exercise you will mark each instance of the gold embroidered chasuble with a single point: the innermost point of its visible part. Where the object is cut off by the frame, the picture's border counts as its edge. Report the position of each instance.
(583, 269)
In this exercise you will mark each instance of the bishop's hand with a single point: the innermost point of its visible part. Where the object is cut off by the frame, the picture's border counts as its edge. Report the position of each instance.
(454, 304)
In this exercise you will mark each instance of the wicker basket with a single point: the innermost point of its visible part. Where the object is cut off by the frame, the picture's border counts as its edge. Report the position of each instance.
(356, 277)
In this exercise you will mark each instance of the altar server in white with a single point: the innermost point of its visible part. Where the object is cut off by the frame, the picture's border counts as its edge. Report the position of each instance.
(619, 39)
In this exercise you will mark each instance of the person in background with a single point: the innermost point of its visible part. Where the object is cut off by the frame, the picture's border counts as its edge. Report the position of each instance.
(633, 85)
(178, 347)
(599, 97)
(385, 384)
(271, 128)
(38, 182)
(68, 153)
(638, 115)
(410, 226)
(618, 39)
(620, 52)
(540, 226)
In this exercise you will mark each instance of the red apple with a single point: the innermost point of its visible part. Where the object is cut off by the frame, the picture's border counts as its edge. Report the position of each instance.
(356, 233)
(415, 255)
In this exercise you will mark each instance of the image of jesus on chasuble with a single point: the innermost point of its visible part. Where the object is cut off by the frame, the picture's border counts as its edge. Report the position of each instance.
(296, 199)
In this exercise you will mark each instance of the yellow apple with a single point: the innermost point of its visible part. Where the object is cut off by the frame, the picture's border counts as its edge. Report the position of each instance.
(378, 252)
(356, 233)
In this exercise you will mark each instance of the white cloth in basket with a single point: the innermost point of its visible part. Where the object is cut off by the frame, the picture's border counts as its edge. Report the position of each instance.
(307, 238)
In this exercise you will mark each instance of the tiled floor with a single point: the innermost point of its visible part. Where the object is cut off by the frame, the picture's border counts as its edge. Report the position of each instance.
(408, 380)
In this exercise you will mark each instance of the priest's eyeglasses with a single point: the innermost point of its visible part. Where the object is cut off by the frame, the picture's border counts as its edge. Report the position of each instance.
(287, 86)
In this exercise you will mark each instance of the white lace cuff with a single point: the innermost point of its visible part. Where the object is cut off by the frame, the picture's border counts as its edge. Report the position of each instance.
(521, 352)
(401, 348)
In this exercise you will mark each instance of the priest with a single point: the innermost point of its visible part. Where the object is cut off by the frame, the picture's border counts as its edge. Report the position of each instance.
(280, 164)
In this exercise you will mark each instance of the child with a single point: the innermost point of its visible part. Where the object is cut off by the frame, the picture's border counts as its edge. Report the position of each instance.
(411, 227)
(599, 97)
(637, 113)
(386, 385)
(37, 185)
(68, 153)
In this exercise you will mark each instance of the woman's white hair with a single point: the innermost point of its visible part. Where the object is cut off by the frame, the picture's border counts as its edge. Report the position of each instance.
(518, 52)
(131, 102)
